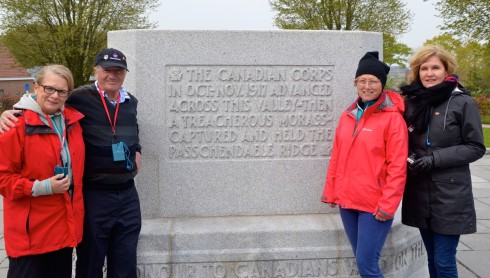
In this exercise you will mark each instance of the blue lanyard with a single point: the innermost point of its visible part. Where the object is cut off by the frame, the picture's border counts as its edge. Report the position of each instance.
(61, 132)
(427, 139)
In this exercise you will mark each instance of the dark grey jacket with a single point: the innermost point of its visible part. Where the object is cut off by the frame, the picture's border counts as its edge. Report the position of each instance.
(442, 200)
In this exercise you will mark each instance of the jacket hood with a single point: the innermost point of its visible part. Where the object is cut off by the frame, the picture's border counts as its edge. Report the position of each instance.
(461, 90)
(392, 101)
(28, 102)
(388, 101)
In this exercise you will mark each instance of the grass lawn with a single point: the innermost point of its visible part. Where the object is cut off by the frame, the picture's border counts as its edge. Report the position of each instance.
(485, 120)
(486, 137)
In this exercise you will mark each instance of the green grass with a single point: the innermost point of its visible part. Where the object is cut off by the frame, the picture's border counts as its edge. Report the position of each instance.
(485, 120)
(486, 137)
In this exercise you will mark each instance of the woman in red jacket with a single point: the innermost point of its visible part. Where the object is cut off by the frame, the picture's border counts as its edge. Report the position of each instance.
(43, 206)
(367, 170)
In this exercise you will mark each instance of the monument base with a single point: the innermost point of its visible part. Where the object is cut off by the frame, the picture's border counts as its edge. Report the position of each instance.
(313, 245)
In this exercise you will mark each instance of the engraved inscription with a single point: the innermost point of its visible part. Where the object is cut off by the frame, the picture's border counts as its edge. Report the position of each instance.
(249, 112)
(254, 269)
(409, 255)
(321, 268)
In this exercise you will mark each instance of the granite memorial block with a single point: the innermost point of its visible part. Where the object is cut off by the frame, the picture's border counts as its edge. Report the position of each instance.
(237, 129)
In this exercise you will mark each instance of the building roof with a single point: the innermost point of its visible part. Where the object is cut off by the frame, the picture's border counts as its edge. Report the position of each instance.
(9, 68)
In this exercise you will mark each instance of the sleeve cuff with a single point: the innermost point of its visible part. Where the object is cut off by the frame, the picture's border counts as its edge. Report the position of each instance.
(41, 188)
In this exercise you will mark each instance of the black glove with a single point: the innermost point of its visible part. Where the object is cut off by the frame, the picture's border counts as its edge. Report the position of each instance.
(422, 165)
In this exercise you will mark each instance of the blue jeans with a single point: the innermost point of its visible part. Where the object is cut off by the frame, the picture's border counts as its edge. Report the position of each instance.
(367, 237)
(441, 254)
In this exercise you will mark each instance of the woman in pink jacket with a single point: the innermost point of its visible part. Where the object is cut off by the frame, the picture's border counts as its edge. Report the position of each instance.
(43, 208)
(367, 170)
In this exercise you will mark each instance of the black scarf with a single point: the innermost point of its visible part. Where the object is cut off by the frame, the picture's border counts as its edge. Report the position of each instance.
(424, 99)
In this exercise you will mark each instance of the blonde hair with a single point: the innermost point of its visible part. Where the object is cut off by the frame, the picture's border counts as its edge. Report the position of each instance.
(59, 70)
(426, 52)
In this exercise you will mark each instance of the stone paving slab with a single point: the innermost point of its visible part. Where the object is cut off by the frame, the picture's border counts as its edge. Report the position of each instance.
(463, 247)
(481, 190)
(483, 227)
(464, 272)
(476, 261)
(485, 223)
(477, 242)
(484, 173)
(485, 200)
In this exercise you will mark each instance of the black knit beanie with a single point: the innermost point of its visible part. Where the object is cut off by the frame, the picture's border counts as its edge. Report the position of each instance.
(370, 64)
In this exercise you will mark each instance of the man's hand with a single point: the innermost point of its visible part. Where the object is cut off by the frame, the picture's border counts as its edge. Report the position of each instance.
(138, 160)
(7, 120)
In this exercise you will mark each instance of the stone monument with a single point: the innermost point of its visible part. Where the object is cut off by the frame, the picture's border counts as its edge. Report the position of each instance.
(237, 128)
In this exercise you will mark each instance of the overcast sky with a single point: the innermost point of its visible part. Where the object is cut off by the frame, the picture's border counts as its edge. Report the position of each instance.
(257, 15)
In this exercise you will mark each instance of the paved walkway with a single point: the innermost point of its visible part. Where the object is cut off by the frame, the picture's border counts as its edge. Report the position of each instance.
(473, 250)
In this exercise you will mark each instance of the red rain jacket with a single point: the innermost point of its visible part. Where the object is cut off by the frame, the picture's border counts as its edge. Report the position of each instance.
(367, 169)
(36, 225)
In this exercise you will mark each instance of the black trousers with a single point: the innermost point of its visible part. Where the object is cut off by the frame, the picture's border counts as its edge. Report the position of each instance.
(111, 228)
(56, 264)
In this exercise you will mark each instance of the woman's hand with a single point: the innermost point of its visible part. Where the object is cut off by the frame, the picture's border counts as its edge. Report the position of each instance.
(380, 218)
(59, 184)
(332, 205)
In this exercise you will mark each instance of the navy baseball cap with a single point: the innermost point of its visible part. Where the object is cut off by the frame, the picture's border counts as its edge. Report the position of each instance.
(111, 57)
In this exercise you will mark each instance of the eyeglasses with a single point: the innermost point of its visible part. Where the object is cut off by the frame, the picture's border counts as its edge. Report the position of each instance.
(50, 90)
(371, 83)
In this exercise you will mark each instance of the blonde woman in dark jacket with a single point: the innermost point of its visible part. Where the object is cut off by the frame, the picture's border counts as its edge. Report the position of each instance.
(445, 135)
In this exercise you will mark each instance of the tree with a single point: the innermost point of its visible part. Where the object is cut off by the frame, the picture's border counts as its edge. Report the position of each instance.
(68, 32)
(486, 68)
(395, 52)
(472, 58)
(469, 21)
(466, 18)
(386, 16)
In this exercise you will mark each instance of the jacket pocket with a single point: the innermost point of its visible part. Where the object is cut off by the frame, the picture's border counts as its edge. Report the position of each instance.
(451, 175)
(450, 193)
(16, 225)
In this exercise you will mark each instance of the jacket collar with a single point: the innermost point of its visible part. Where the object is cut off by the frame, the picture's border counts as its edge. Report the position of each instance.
(387, 101)
(71, 116)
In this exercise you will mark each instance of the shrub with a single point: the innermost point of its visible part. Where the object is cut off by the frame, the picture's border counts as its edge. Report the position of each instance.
(7, 101)
(483, 102)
